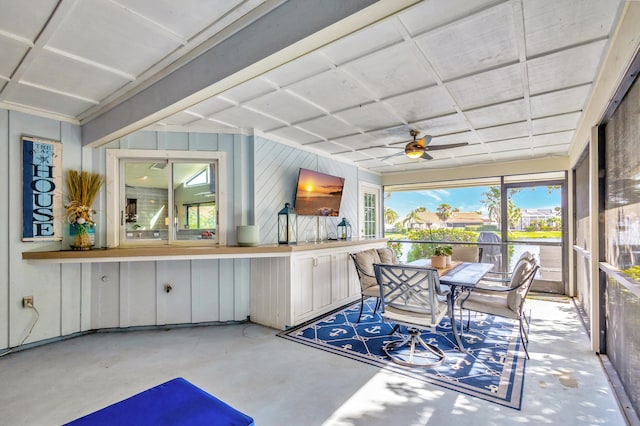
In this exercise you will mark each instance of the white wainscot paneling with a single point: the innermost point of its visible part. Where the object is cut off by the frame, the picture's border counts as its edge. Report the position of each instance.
(242, 288)
(137, 294)
(174, 306)
(205, 287)
(71, 297)
(105, 295)
(339, 270)
(43, 283)
(270, 291)
(226, 275)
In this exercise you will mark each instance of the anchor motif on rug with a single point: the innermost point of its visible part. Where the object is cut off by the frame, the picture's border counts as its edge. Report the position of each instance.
(491, 369)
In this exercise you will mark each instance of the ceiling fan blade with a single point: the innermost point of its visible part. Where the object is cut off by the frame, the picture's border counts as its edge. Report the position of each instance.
(392, 155)
(427, 140)
(449, 146)
(426, 156)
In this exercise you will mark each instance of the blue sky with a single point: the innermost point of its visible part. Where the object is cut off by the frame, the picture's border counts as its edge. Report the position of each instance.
(466, 199)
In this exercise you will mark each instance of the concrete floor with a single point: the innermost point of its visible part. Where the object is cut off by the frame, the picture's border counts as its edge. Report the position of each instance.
(279, 382)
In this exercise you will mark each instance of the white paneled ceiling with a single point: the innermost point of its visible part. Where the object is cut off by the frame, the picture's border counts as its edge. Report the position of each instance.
(72, 57)
(511, 77)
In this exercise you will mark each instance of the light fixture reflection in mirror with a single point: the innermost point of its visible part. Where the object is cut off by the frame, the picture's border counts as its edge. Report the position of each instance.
(155, 217)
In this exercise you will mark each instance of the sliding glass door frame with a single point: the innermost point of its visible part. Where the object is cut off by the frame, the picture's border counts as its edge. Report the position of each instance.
(504, 220)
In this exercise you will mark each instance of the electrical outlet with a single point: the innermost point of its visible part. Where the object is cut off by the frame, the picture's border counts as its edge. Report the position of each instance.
(27, 302)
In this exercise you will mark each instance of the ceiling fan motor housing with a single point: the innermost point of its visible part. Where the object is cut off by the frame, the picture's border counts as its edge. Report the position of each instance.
(414, 149)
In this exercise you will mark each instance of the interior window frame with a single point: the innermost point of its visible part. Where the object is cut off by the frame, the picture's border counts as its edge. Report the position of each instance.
(115, 193)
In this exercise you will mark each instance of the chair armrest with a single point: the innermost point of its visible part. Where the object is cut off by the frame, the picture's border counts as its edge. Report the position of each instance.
(496, 279)
(493, 288)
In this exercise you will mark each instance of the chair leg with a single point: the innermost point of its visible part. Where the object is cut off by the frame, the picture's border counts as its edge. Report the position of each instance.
(361, 306)
(432, 357)
(523, 332)
(527, 319)
(525, 342)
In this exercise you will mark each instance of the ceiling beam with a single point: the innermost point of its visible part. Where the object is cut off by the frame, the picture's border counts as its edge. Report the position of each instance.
(289, 31)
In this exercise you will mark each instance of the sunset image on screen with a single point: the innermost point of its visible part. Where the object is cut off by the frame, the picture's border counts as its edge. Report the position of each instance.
(318, 194)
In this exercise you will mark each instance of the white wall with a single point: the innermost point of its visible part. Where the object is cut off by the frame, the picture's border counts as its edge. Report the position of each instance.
(71, 298)
(57, 289)
(276, 174)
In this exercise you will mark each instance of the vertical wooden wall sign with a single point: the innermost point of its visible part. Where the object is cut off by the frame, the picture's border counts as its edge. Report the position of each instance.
(41, 190)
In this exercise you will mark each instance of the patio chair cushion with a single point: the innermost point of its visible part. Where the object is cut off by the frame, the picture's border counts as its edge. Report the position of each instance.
(488, 302)
(520, 273)
(388, 256)
(425, 319)
(365, 260)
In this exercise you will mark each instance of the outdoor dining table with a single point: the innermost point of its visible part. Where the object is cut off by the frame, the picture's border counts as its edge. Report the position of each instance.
(460, 276)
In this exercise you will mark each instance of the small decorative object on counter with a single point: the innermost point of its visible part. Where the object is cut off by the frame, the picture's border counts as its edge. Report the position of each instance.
(287, 225)
(248, 235)
(82, 188)
(207, 235)
(344, 229)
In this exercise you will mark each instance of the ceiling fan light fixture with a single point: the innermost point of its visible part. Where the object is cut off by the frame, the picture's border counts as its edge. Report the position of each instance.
(414, 150)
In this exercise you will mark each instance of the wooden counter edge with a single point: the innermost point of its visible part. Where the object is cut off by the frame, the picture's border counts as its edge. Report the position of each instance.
(178, 252)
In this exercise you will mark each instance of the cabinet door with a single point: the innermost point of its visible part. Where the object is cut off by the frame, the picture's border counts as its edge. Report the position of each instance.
(321, 281)
(302, 287)
(339, 277)
(354, 280)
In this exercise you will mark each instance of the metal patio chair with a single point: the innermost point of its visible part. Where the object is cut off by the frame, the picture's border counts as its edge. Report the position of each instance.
(411, 296)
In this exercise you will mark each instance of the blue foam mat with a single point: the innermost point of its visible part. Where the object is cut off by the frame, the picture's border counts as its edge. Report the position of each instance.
(176, 402)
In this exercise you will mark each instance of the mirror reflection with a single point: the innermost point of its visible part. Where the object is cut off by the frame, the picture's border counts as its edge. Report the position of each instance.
(151, 212)
(194, 200)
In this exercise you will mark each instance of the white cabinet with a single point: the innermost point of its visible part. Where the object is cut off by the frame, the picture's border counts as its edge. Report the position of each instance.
(312, 285)
(320, 280)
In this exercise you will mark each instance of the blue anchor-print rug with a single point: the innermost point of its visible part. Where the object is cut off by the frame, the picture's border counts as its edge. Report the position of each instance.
(493, 368)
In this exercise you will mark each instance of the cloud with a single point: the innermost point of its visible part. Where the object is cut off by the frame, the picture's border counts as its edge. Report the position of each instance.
(432, 194)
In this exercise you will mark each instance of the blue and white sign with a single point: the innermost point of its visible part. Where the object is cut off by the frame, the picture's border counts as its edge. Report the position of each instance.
(41, 190)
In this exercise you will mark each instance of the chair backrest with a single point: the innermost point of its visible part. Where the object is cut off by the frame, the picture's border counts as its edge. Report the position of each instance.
(387, 255)
(363, 262)
(521, 282)
(522, 268)
(465, 254)
(411, 289)
(526, 255)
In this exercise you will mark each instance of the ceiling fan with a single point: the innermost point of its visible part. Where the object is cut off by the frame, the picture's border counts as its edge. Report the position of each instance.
(417, 148)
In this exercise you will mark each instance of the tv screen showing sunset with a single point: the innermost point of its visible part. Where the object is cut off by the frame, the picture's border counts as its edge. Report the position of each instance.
(318, 194)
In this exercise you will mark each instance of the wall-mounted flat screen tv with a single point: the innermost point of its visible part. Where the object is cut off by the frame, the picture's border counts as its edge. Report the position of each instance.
(318, 194)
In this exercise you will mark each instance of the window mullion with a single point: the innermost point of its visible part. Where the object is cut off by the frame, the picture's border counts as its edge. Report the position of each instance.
(171, 210)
